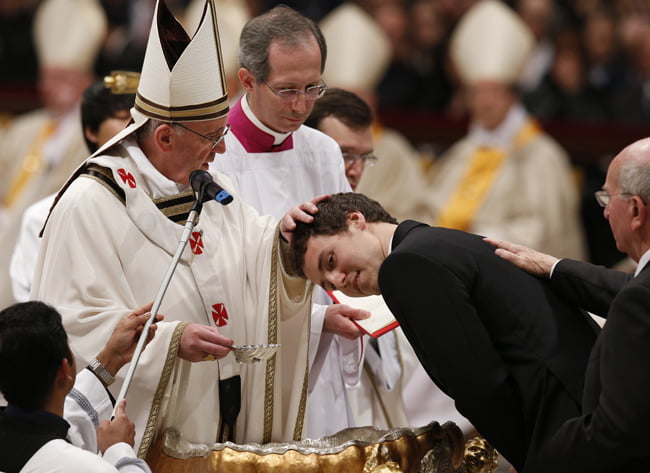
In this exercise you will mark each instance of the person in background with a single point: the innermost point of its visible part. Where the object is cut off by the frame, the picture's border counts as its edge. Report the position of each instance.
(39, 149)
(276, 163)
(38, 378)
(346, 118)
(104, 112)
(506, 178)
(360, 52)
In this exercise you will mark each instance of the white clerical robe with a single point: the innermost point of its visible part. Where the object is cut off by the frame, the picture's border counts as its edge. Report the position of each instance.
(102, 256)
(532, 198)
(35, 160)
(58, 456)
(274, 172)
(86, 406)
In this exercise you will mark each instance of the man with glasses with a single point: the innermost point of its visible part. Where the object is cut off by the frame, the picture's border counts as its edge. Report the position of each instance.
(345, 117)
(611, 433)
(112, 235)
(276, 162)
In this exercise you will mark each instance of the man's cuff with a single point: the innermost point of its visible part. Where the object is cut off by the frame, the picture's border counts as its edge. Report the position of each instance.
(550, 274)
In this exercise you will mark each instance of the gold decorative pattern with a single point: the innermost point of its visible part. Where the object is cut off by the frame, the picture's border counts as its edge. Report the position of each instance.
(31, 165)
(176, 207)
(168, 368)
(272, 338)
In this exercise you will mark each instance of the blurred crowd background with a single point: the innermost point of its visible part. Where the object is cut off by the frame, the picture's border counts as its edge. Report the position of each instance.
(588, 81)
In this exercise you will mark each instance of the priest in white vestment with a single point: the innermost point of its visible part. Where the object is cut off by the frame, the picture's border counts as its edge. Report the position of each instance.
(111, 237)
(276, 162)
(506, 178)
(39, 149)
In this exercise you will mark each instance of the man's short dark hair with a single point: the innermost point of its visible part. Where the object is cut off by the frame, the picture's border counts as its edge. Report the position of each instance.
(99, 103)
(343, 105)
(281, 23)
(32, 345)
(331, 219)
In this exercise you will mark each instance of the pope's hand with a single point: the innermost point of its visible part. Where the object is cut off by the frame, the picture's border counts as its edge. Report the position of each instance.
(301, 213)
(201, 343)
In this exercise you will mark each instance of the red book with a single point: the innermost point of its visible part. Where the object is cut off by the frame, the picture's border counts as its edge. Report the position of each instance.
(381, 319)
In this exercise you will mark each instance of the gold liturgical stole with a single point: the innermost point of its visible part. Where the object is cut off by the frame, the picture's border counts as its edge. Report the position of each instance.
(483, 169)
(32, 164)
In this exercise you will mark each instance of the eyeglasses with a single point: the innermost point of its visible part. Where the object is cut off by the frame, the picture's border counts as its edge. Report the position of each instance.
(367, 159)
(214, 142)
(603, 197)
(312, 92)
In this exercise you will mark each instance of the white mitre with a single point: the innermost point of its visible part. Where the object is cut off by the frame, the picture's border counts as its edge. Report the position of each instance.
(358, 50)
(182, 78)
(232, 15)
(491, 42)
(69, 33)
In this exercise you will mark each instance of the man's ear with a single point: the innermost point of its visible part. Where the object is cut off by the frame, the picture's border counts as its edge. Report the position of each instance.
(246, 79)
(90, 135)
(639, 211)
(163, 135)
(356, 219)
(65, 374)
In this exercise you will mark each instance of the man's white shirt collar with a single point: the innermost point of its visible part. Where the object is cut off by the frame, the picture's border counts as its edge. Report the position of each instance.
(278, 138)
(503, 135)
(642, 262)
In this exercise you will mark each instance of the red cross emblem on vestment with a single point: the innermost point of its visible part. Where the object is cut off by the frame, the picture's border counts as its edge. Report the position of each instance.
(127, 177)
(196, 243)
(219, 314)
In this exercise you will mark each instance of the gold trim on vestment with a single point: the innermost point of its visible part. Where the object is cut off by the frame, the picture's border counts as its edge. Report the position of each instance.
(272, 338)
(108, 183)
(154, 414)
(300, 421)
(32, 163)
(176, 207)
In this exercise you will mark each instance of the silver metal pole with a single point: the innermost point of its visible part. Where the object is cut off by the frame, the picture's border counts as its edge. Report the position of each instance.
(187, 231)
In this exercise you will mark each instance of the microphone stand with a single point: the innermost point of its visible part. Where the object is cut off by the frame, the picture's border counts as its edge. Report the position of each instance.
(187, 231)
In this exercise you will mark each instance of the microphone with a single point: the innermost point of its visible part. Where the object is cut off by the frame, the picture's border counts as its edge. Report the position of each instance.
(203, 184)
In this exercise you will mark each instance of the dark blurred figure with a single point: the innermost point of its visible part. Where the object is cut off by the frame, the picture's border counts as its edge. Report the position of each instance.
(564, 93)
(18, 60)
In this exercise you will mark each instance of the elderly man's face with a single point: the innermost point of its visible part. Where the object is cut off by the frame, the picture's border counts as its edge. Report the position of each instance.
(292, 67)
(617, 210)
(192, 151)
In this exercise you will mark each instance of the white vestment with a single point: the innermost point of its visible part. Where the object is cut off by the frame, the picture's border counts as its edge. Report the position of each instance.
(86, 405)
(58, 456)
(532, 199)
(23, 260)
(34, 163)
(274, 172)
(102, 256)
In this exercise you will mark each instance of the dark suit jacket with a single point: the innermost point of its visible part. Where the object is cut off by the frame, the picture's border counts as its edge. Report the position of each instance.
(500, 342)
(612, 434)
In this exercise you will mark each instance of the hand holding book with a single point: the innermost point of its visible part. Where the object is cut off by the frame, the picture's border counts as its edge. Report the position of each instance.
(381, 320)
